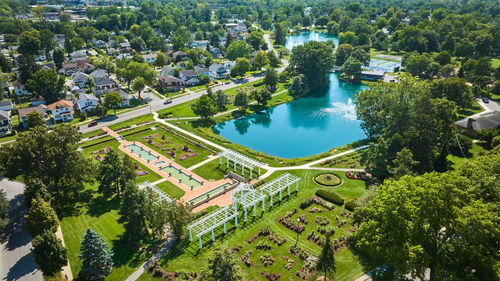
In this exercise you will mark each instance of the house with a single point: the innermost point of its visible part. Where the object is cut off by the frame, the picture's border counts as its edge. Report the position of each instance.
(126, 98)
(241, 27)
(100, 44)
(19, 89)
(217, 71)
(167, 70)
(192, 81)
(85, 66)
(61, 110)
(104, 85)
(125, 47)
(78, 55)
(68, 68)
(215, 52)
(187, 74)
(178, 56)
(99, 73)
(49, 66)
(202, 71)
(6, 105)
(23, 113)
(170, 83)
(372, 75)
(86, 102)
(482, 121)
(80, 79)
(5, 124)
(229, 65)
(150, 58)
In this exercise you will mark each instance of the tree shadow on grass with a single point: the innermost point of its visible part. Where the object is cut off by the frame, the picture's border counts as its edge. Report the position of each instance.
(124, 254)
(101, 205)
(203, 123)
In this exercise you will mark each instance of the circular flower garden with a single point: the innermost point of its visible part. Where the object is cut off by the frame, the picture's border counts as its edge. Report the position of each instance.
(327, 179)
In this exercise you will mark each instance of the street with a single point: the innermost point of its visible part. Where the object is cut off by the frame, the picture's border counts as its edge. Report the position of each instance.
(16, 262)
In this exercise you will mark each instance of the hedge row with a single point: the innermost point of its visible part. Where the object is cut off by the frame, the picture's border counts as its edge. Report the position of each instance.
(331, 196)
(351, 204)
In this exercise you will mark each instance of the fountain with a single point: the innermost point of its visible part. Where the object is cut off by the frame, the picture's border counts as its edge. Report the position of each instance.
(345, 110)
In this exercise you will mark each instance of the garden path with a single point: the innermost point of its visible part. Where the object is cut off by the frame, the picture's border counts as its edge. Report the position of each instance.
(66, 270)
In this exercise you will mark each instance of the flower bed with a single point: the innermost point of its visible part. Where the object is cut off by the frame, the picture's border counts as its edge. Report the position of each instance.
(299, 252)
(315, 210)
(358, 176)
(265, 232)
(316, 239)
(306, 203)
(322, 221)
(266, 260)
(303, 219)
(331, 196)
(351, 204)
(287, 222)
(308, 269)
(340, 243)
(289, 263)
(245, 258)
(271, 276)
(328, 179)
(317, 200)
(324, 230)
(263, 245)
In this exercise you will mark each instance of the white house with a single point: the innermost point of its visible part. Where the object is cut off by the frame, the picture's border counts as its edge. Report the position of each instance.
(78, 55)
(62, 110)
(185, 75)
(192, 81)
(6, 105)
(202, 71)
(5, 124)
(150, 58)
(86, 102)
(229, 65)
(99, 73)
(217, 71)
(104, 85)
(79, 79)
(19, 89)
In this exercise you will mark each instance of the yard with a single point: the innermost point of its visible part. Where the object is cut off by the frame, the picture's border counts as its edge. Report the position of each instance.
(258, 252)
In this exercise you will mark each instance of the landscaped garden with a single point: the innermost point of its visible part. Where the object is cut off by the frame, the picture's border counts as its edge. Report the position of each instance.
(328, 179)
(215, 171)
(264, 246)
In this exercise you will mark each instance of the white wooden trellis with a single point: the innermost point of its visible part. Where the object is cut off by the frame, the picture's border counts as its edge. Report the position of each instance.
(211, 221)
(246, 196)
(238, 158)
(279, 184)
(162, 196)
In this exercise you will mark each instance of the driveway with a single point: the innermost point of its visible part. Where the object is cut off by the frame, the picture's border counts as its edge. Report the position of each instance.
(16, 260)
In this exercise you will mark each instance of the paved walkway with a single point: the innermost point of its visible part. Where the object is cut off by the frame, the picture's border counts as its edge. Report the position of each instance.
(66, 270)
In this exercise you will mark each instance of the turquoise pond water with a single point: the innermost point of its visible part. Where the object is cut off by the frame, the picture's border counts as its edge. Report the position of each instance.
(302, 127)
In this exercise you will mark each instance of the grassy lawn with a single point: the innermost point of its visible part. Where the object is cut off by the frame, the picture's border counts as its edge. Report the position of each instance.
(171, 143)
(213, 171)
(187, 257)
(495, 63)
(456, 161)
(171, 189)
(351, 160)
(133, 121)
(476, 108)
(92, 133)
(180, 110)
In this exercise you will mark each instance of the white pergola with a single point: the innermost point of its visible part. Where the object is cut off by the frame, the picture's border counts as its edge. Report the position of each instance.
(211, 221)
(162, 196)
(246, 196)
(279, 184)
(238, 158)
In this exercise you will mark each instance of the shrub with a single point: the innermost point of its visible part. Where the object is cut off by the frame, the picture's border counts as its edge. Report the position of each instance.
(321, 221)
(266, 260)
(331, 196)
(306, 203)
(351, 204)
(263, 245)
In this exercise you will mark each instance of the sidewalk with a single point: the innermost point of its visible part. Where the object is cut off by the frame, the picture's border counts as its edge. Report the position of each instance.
(66, 270)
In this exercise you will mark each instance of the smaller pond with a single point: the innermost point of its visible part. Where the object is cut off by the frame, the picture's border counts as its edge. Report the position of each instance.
(159, 163)
(141, 152)
(181, 177)
(210, 194)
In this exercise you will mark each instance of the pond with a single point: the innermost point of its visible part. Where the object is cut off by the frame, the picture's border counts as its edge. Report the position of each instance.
(302, 127)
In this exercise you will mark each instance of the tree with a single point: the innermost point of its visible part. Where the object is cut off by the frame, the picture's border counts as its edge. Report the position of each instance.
(271, 79)
(29, 42)
(352, 68)
(262, 96)
(41, 217)
(100, 110)
(58, 57)
(255, 39)
(4, 210)
(404, 164)
(161, 59)
(133, 210)
(112, 100)
(314, 60)
(35, 119)
(5, 64)
(47, 84)
(111, 174)
(260, 59)
(238, 49)
(138, 44)
(26, 67)
(299, 86)
(221, 100)
(280, 33)
(242, 66)
(241, 100)
(221, 266)
(49, 253)
(326, 260)
(35, 188)
(348, 37)
(96, 257)
(178, 216)
(156, 214)
(274, 61)
(417, 65)
(342, 53)
(77, 43)
(205, 107)
(136, 69)
(453, 89)
(435, 225)
(464, 48)
(138, 85)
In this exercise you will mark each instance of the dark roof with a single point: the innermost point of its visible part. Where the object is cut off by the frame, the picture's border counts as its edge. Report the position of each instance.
(4, 115)
(39, 108)
(169, 78)
(104, 81)
(481, 121)
(189, 72)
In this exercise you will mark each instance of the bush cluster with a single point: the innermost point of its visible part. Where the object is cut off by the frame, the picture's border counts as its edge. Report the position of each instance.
(331, 196)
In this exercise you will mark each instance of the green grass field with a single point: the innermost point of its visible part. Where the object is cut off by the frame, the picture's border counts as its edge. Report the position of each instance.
(171, 189)
(213, 171)
(133, 121)
(187, 257)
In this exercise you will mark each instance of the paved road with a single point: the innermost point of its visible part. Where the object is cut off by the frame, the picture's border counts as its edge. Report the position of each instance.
(16, 260)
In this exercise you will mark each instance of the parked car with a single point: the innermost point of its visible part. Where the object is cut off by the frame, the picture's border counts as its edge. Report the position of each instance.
(486, 100)
(167, 102)
(93, 123)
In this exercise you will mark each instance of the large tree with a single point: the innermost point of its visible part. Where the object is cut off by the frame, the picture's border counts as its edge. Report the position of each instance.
(326, 260)
(34, 119)
(138, 85)
(205, 106)
(97, 258)
(29, 42)
(238, 49)
(41, 217)
(133, 211)
(242, 66)
(178, 216)
(280, 33)
(241, 100)
(49, 253)
(255, 39)
(112, 100)
(58, 57)
(113, 174)
(221, 266)
(429, 222)
(314, 60)
(271, 78)
(47, 84)
(453, 89)
(4, 210)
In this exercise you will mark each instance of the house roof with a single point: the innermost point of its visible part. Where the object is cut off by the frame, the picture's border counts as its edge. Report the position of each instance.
(59, 104)
(215, 66)
(70, 65)
(99, 73)
(103, 81)
(169, 78)
(6, 103)
(201, 70)
(84, 96)
(482, 121)
(39, 108)
(178, 53)
(4, 115)
(146, 56)
(79, 75)
(189, 72)
(167, 68)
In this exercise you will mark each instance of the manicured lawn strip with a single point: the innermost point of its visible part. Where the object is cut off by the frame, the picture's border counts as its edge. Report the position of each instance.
(456, 161)
(92, 133)
(171, 189)
(180, 110)
(133, 121)
(188, 257)
(476, 108)
(351, 160)
(213, 171)
(106, 138)
(176, 142)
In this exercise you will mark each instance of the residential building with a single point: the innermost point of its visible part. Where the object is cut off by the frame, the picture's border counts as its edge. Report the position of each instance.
(217, 71)
(19, 89)
(78, 55)
(372, 75)
(61, 110)
(80, 79)
(202, 71)
(473, 124)
(6, 105)
(5, 123)
(150, 58)
(125, 47)
(192, 81)
(100, 44)
(86, 102)
(126, 98)
(104, 85)
(167, 70)
(187, 74)
(68, 68)
(170, 83)
(23, 113)
(99, 73)
(178, 56)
